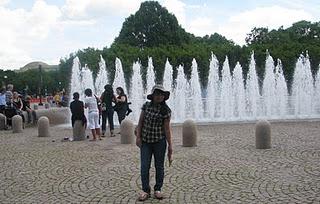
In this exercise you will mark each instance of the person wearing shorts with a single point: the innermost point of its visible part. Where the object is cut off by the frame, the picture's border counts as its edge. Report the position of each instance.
(93, 114)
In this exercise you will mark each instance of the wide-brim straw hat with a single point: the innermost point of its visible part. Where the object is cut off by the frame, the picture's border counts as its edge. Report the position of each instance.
(160, 88)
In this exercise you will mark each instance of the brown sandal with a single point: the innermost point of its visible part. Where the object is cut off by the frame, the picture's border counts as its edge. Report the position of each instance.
(158, 195)
(143, 196)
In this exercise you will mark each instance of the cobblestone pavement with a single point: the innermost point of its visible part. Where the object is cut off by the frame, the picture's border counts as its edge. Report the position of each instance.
(225, 167)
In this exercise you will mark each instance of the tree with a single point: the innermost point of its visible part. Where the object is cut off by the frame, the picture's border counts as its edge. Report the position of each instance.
(257, 35)
(152, 25)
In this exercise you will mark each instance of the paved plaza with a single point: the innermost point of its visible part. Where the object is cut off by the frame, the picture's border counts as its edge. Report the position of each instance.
(225, 167)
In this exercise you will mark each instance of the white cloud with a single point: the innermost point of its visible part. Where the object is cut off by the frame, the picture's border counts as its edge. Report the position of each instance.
(178, 8)
(4, 2)
(273, 17)
(202, 26)
(80, 9)
(23, 31)
(42, 19)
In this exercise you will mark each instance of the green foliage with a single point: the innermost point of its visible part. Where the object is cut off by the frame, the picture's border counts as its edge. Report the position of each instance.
(91, 58)
(287, 45)
(153, 32)
(152, 25)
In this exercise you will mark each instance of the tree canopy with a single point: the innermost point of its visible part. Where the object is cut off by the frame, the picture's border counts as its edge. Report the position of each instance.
(154, 32)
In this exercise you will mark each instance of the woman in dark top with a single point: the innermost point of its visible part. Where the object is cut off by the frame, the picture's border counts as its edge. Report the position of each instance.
(107, 98)
(77, 110)
(121, 106)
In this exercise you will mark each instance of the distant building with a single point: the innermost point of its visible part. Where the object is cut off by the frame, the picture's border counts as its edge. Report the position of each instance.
(35, 65)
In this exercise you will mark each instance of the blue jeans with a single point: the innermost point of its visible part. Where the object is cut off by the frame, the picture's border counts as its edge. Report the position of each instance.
(158, 150)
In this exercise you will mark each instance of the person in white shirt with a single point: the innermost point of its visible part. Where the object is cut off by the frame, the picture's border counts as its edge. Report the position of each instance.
(90, 102)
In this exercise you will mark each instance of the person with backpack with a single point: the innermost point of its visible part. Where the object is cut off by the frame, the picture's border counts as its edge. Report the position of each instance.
(107, 98)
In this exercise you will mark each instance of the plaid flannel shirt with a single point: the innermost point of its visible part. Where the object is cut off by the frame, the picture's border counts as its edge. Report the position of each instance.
(153, 129)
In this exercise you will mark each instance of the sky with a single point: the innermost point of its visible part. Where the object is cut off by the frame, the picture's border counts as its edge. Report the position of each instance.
(48, 30)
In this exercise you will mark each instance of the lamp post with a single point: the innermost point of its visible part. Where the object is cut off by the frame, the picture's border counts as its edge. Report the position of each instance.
(4, 80)
(40, 85)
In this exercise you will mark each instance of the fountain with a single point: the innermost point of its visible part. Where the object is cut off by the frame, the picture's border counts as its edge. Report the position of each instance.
(119, 80)
(102, 77)
(238, 92)
(150, 76)
(226, 98)
(168, 81)
(269, 89)
(194, 99)
(302, 88)
(226, 92)
(179, 96)
(136, 94)
(213, 90)
(252, 90)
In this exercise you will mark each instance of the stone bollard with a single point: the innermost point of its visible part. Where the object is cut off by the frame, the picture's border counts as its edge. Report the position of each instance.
(55, 115)
(3, 122)
(17, 124)
(35, 107)
(43, 127)
(263, 134)
(189, 133)
(79, 131)
(127, 132)
(46, 105)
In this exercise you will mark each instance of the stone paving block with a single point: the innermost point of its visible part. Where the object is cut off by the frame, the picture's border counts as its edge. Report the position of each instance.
(224, 168)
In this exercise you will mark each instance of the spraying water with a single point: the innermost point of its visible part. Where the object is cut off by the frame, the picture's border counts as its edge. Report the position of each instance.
(228, 98)
(102, 77)
(168, 81)
(195, 104)
(137, 96)
(238, 92)
(302, 87)
(119, 80)
(281, 101)
(179, 94)
(150, 76)
(76, 78)
(226, 92)
(269, 89)
(213, 89)
(252, 90)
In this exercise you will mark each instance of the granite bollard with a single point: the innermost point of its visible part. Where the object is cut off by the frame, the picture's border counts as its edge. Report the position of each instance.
(189, 133)
(17, 124)
(127, 132)
(3, 122)
(79, 131)
(263, 134)
(55, 115)
(43, 127)
(46, 105)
